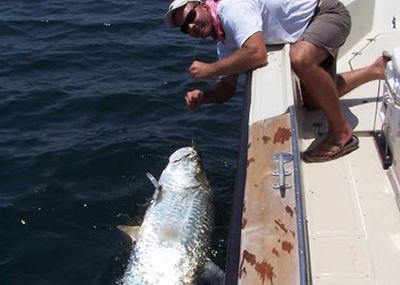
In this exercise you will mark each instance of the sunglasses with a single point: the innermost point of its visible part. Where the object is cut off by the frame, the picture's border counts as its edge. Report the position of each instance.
(188, 20)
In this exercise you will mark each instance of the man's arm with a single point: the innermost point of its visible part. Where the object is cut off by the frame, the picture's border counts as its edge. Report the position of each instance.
(222, 91)
(251, 55)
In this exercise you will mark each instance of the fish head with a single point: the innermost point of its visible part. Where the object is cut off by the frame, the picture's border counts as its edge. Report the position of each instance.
(184, 171)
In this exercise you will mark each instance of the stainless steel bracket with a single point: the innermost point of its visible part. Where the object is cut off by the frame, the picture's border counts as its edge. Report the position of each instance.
(282, 158)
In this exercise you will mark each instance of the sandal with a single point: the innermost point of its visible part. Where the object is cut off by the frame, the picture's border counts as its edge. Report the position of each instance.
(330, 145)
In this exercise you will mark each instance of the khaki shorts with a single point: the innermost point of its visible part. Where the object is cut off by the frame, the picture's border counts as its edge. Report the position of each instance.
(329, 29)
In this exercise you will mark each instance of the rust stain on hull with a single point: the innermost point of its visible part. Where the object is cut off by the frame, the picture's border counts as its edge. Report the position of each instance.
(287, 246)
(244, 220)
(263, 268)
(281, 135)
(244, 223)
(266, 139)
(275, 252)
(281, 226)
(289, 211)
(251, 160)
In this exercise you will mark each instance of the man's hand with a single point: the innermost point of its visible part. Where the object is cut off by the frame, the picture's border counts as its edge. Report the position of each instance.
(201, 70)
(222, 91)
(194, 99)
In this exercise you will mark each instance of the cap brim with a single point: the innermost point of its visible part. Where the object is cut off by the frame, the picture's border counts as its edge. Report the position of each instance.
(169, 16)
(169, 19)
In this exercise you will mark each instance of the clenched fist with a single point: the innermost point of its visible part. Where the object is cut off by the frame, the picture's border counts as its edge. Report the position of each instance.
(194, 99)
(201, 71)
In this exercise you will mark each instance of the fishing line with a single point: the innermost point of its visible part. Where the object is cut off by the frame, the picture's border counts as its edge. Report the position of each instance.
(196, 49)
(193, 57)
(197, 44)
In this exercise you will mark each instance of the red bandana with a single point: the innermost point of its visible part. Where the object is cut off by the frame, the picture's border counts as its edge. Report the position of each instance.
(212, 8)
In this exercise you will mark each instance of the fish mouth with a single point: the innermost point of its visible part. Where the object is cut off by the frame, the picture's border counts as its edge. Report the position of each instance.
(184, 171)
(182, 153)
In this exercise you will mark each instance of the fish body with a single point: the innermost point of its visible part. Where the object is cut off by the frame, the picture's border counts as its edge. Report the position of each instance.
(172, 242)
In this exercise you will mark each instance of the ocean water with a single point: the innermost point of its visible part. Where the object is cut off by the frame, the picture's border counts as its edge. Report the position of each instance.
(92, 98)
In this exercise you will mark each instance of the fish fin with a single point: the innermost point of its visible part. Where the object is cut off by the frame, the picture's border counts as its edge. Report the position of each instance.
(153, 181)
(131, 231)
(158, 193)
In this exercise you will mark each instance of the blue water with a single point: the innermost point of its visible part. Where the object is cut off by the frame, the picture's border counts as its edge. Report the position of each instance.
(91, 98)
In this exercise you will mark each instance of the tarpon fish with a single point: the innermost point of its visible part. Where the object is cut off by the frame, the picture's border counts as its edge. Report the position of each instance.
(171, 244)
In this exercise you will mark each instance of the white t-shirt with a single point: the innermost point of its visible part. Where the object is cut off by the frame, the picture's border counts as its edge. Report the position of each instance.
(281, 21)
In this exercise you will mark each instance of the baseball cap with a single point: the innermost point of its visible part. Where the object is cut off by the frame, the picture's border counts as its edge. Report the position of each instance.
(176, 4)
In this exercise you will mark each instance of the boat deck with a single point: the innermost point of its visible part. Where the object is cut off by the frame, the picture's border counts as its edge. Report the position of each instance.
(345, 213)
(352, 215)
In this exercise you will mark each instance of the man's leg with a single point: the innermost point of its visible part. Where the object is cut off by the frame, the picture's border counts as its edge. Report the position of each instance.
(320, 87)
(350, 80)
(347, 81)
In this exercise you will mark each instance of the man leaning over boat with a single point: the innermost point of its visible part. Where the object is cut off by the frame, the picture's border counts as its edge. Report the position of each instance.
(242, 29)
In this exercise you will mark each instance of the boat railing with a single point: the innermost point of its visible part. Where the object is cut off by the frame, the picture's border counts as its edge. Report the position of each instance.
(268, 239)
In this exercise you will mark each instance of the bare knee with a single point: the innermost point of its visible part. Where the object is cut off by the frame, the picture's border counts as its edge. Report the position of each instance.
(300, 61)
(307, 58)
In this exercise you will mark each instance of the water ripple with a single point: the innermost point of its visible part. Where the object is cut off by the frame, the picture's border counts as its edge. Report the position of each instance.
(91, 99)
